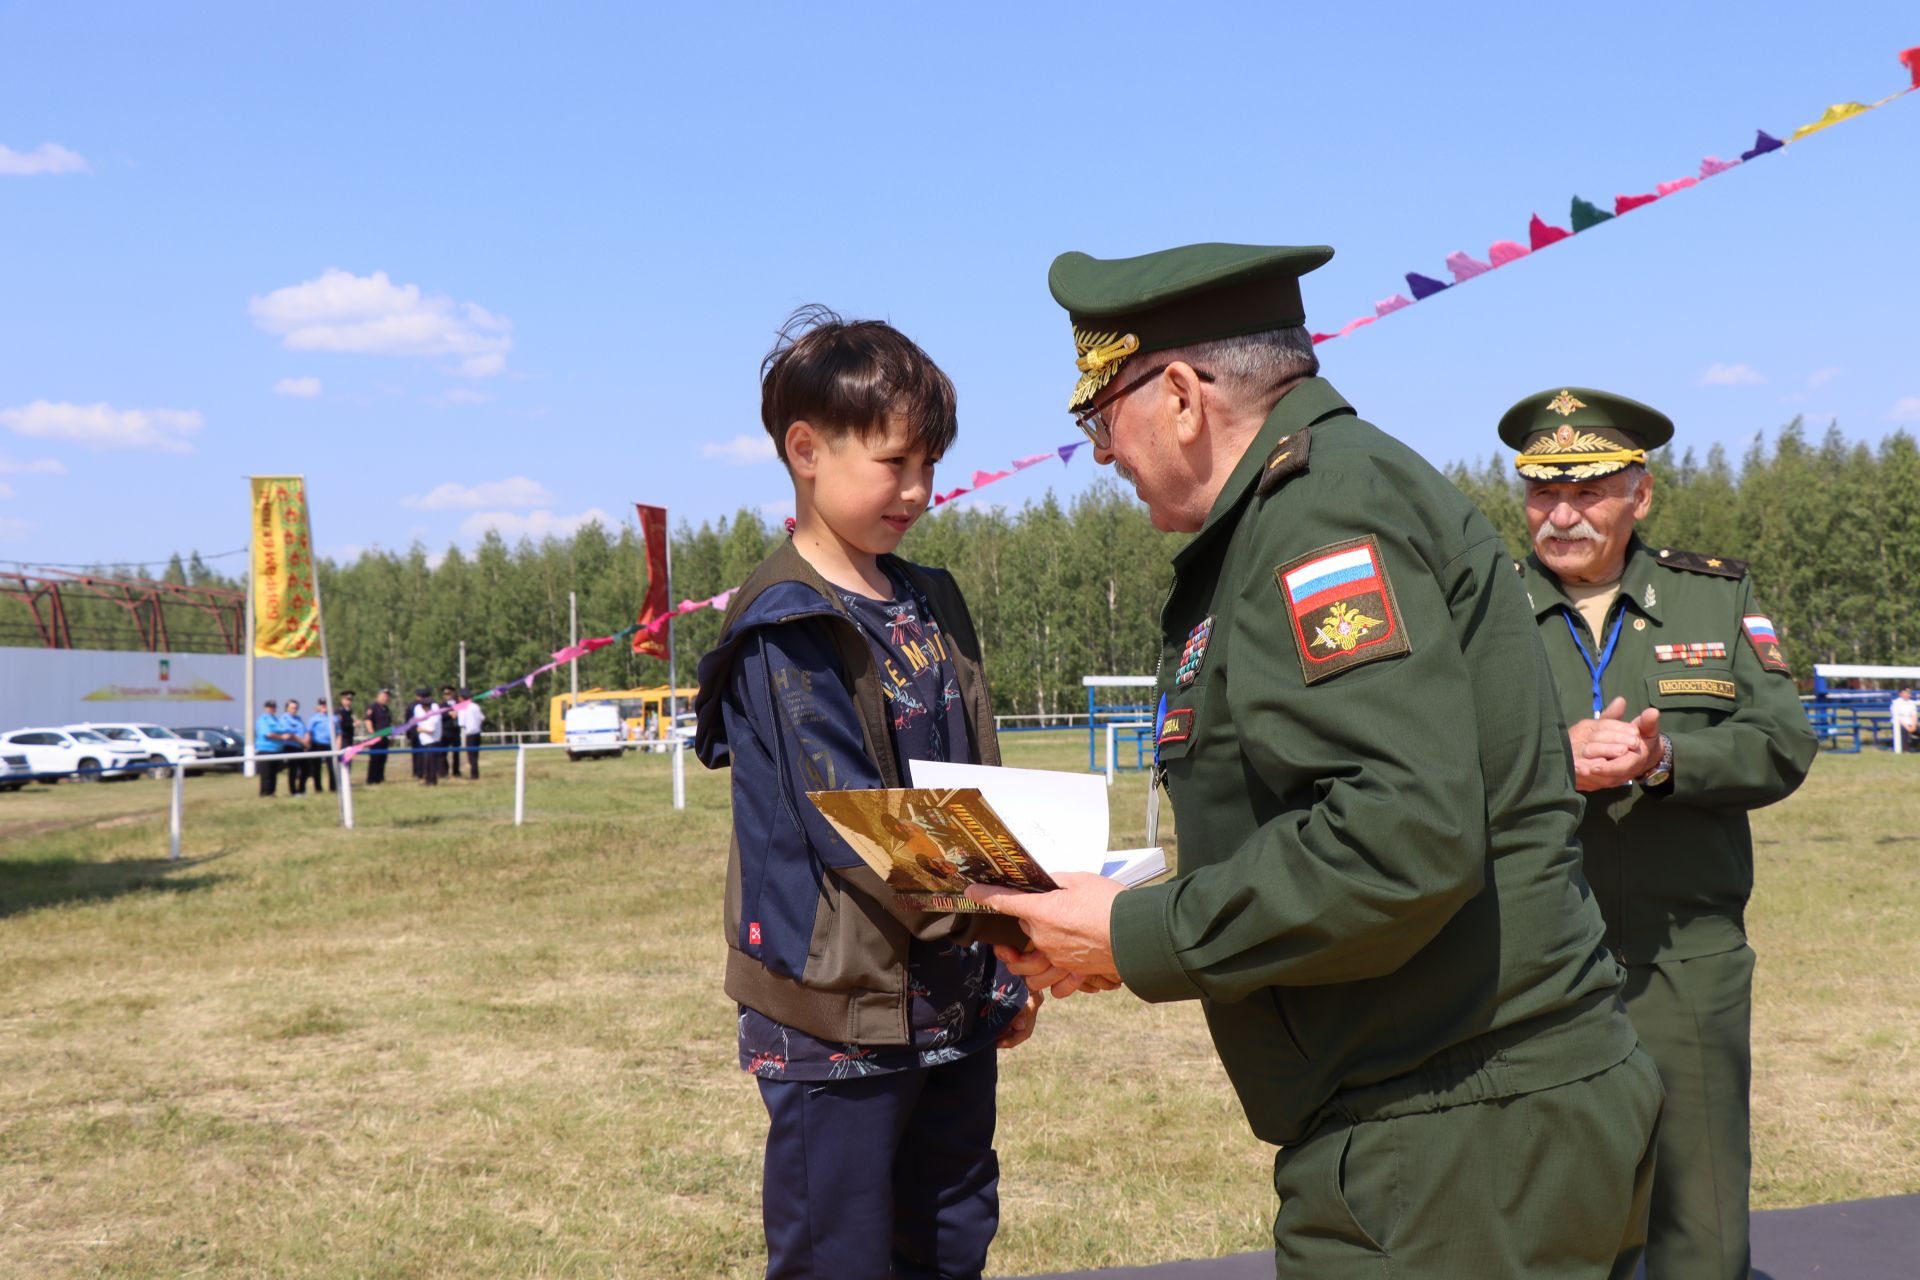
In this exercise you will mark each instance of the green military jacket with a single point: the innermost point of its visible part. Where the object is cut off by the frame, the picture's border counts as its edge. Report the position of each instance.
(1379, 893)
(1672, 867)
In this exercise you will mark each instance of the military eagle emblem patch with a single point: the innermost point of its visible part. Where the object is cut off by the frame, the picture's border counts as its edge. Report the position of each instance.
(1766, 644)
(1342, 608)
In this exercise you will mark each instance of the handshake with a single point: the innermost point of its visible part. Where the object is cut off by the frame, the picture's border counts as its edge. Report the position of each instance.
(1069, 930)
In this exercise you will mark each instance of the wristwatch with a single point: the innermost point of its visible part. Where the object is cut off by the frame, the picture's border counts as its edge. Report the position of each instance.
(1661, 772)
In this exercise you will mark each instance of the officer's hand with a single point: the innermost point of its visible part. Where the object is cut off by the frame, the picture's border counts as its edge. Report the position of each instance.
(1070, 925)
(1039, 970)
(1610, 750)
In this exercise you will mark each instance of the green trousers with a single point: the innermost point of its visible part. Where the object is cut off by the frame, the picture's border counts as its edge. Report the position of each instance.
(1695, 1018)
(1551, 1185)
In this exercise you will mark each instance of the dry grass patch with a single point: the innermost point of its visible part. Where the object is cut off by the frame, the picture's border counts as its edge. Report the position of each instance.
(439, 1046)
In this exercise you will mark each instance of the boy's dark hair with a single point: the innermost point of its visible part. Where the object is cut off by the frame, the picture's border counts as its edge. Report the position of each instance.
(848, 376)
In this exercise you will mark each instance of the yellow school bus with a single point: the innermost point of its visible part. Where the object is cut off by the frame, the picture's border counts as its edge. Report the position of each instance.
(641, 710)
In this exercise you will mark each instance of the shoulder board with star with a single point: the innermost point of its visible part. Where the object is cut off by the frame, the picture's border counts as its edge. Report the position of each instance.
(1288, 459)
(1695, 562)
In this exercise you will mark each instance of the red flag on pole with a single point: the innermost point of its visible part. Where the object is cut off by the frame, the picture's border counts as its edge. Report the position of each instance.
(656, 607)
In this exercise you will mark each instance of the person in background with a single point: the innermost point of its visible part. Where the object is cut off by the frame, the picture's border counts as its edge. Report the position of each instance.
(269, 741)
(379, 718)
(432, 763)
(1906, 720)
(320, 738)
(343, 724)
(421, 698)
(1682, 716)
(470, 717)
(294, 725)
(449, 731)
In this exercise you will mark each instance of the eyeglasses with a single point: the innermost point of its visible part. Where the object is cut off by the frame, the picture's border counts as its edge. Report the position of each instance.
(1094, 419)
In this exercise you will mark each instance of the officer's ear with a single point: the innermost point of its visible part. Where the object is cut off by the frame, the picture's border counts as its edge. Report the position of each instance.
(1182, 386)
(1643, 496)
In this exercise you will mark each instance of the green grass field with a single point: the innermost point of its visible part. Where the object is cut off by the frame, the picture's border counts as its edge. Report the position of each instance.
(443, 1046)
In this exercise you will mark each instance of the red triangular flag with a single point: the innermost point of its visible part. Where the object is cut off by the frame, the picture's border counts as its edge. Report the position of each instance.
(1540, 235)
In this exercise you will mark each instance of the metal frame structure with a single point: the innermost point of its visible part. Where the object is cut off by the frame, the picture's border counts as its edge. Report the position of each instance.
(44, 593)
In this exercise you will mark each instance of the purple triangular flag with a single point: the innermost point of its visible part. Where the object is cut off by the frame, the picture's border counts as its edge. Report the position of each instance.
(1066, 451)
(1763, 142)
(1423, 287)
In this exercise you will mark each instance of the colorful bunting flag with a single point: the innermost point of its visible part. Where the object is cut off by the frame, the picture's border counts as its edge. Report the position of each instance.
(1584, 215)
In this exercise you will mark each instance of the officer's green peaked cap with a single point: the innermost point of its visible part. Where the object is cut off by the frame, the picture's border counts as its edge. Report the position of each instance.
(1121, 307)
(1577, 433)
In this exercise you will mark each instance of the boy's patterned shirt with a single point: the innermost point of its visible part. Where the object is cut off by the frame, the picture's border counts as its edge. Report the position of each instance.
(962, 999)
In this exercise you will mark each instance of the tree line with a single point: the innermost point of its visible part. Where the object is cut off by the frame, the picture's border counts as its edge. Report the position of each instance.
(1060, 589)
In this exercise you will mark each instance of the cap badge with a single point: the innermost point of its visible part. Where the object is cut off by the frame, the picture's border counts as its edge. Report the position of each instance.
(1564, 404)
(1100, 356)
(1564, 436)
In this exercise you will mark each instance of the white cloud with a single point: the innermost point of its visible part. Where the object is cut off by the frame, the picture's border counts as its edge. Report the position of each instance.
(780, 510)
(103, 427)
(1731, 375)
(6, 490)
(1905, 410)
(741, 451)
(300, 388)
(516, 491)
(1821, 377)
(12, 528)
(371, 315)
(534, 524)
(38, 467)
(48, 157)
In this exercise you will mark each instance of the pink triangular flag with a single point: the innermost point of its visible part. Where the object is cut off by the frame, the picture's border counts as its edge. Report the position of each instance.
(988, 477)
(1713, 164)
(1021, 464)
(1387, 306)
(1501, 252)
(1678, 184)
(1355, 323)
(1627, 204)
(1465, 266)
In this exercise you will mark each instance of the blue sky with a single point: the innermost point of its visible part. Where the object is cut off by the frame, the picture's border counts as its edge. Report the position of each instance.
(486, 265)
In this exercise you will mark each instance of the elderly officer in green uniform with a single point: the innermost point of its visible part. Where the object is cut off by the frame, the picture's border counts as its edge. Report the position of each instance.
(1684, 717)
(1379, 904)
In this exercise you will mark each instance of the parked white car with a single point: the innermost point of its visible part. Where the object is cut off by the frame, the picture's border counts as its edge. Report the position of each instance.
(159, 746)
(594, 729)
(15, 772)
(58, 751)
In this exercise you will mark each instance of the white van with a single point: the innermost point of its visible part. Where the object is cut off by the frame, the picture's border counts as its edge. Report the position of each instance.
(594, 729)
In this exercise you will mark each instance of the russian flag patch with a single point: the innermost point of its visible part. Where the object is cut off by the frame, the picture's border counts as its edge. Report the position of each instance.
(1342, 608)
(1766, 643)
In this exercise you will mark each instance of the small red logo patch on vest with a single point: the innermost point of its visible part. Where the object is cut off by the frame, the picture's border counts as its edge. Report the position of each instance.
(753, 932)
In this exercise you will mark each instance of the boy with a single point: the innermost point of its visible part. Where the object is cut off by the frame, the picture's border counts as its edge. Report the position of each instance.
(872, 1030)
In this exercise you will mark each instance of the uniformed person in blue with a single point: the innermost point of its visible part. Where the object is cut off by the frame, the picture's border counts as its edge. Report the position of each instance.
(1683, 716)
(1378, 903)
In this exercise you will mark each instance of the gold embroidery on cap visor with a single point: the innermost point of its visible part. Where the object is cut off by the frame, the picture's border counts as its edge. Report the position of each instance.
(1571, 455)
(1100, 356)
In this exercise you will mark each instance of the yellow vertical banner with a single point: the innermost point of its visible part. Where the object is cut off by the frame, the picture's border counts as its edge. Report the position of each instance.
(286, 608)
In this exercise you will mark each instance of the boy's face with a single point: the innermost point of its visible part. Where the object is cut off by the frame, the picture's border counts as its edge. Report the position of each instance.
(870, 491)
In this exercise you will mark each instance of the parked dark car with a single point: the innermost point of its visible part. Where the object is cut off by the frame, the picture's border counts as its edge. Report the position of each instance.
(228, 746)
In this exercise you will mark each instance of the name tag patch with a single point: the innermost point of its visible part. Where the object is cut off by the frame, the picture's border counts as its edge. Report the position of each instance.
(1712, 688)
(1691, 654)
(1342, 608)
(1177, 727)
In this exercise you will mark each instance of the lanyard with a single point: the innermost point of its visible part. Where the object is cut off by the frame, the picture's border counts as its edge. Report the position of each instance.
(1606, 654)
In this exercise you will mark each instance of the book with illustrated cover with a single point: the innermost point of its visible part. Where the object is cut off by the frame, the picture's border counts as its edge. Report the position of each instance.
(977, 824)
